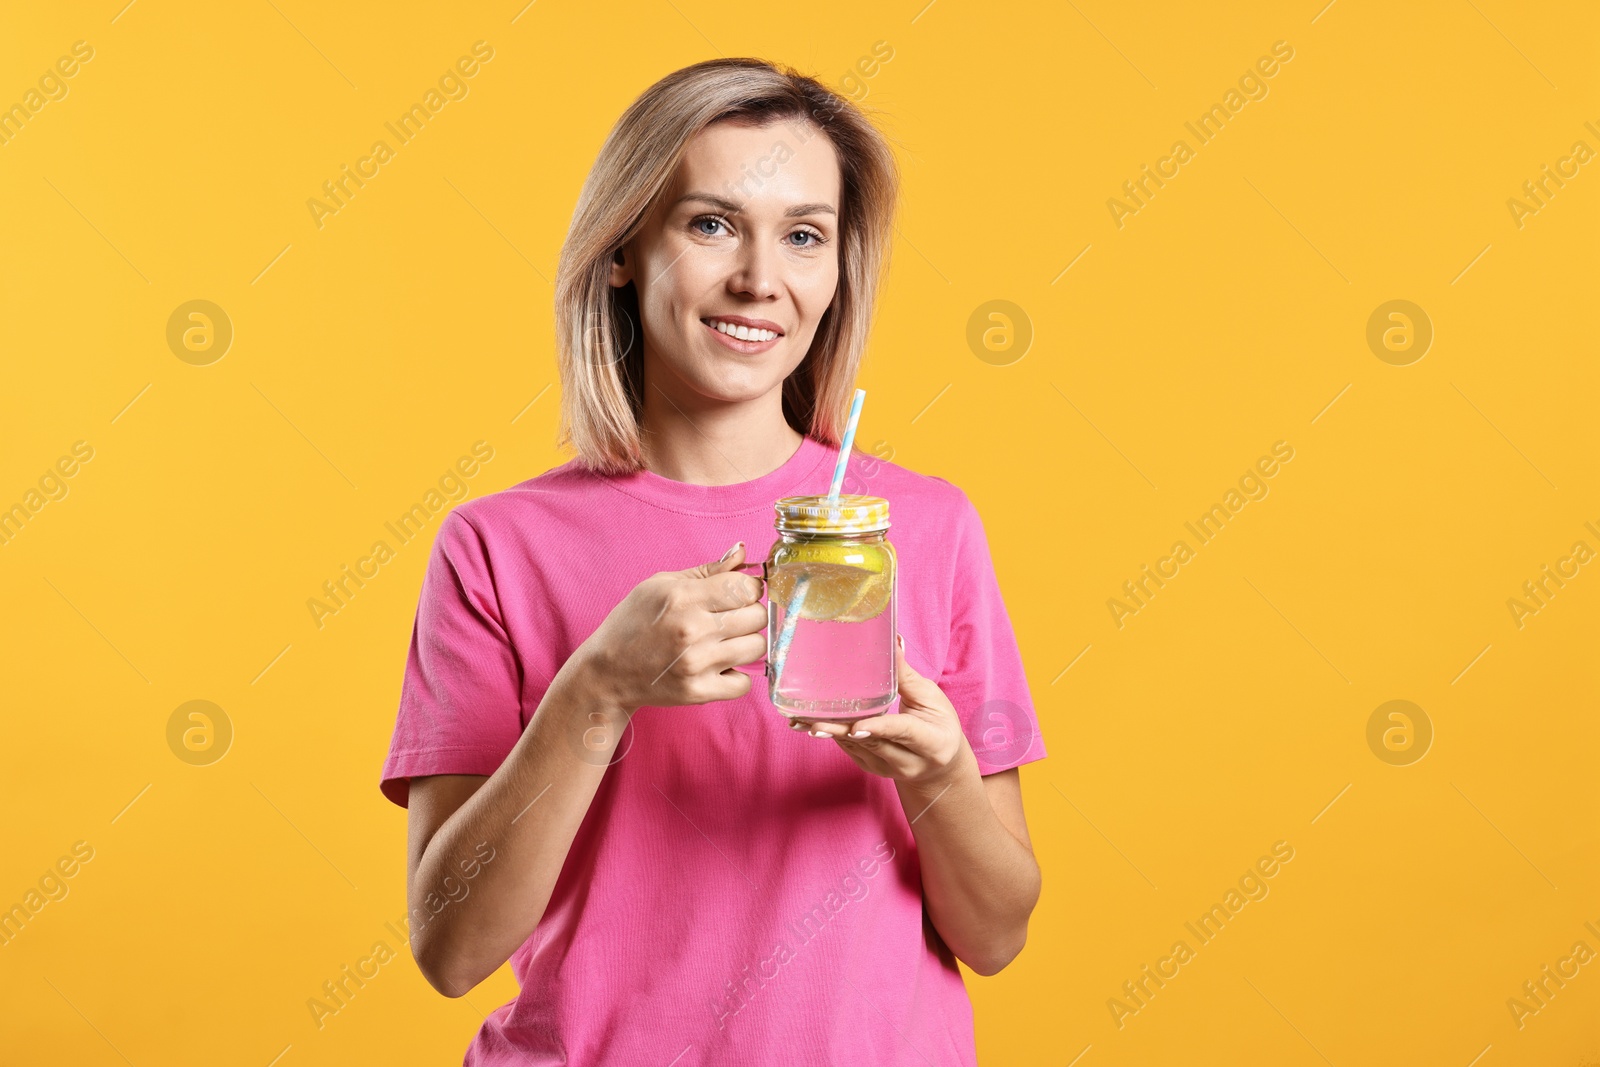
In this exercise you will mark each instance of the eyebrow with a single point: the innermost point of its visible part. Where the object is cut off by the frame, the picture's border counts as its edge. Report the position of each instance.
(730, 208)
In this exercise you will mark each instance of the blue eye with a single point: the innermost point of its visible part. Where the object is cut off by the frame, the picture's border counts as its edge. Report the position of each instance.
(708, 226)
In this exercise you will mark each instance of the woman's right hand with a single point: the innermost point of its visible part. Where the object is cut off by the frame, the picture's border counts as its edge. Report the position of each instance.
(674, 639)
(678, 635)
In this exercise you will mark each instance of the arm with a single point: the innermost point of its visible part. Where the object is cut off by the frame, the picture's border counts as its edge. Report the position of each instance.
(676, 639)
(979, 877)
(527, 812)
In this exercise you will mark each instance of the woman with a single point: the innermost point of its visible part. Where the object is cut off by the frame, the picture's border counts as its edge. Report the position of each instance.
(597, 791)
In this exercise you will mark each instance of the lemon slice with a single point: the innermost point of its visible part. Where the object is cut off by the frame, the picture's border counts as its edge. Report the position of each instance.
(871, 598)
(845, 583)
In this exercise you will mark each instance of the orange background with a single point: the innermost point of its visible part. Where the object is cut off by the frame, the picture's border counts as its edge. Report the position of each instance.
(1163, 357)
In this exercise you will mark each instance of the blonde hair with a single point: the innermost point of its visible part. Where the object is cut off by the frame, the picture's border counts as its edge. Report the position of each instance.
(598, 331)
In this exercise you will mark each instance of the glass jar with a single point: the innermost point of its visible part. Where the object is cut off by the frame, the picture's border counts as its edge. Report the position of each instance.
(831, 595)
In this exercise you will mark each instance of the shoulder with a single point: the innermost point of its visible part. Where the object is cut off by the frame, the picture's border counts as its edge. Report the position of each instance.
(497, 515)
(926, 498)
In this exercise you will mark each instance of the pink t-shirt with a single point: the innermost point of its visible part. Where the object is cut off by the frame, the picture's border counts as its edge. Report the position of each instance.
(739, 892)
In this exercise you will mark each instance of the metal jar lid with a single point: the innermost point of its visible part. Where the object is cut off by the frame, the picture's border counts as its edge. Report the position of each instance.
(847, 513)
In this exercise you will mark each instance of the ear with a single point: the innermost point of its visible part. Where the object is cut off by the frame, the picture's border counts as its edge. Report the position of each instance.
(621, 268)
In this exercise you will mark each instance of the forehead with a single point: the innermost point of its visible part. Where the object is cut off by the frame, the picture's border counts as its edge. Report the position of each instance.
(778, 164)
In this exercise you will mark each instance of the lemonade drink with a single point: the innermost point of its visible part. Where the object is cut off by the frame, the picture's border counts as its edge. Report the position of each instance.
(834, 659)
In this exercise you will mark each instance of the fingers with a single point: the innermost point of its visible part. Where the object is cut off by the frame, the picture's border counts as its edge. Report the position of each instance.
(738, 638)
(863, 731)
(899, 729)
(737, 652)
(872, 754)
(867, 760)
(730, 559)
(916, 690)
(834, 731)
(736, 622)
(728, 685)
(725, 592)
(723, 588)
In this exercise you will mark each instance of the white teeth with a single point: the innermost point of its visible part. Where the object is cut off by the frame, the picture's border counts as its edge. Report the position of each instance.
(743, 333)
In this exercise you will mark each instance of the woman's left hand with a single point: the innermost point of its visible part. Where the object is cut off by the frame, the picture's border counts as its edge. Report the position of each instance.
(922, 744)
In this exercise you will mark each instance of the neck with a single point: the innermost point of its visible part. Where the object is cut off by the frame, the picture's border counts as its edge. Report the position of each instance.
(715, 443)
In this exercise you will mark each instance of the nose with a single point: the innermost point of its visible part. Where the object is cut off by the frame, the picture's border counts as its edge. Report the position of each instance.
(756, 274)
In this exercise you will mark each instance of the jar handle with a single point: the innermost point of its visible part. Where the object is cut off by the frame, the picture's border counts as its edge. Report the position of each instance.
(766, 575)
(764, 564)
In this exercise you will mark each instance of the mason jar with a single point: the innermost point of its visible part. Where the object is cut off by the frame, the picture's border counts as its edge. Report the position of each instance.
(831, 595)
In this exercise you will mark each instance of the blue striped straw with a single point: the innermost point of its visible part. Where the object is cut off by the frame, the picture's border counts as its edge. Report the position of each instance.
(791, 615)
(791, 612)
(844, 446)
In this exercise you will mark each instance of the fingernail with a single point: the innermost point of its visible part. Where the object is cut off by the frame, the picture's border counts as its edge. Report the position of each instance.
(729, 554)
(900, 642)
(797, 726)
(819, 733)
(860, 733)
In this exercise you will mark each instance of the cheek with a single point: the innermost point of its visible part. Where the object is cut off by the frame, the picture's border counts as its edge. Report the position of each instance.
(661, 299)
(814, 290)
(677, 281)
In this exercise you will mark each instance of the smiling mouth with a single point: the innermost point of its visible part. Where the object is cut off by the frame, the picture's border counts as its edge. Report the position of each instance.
(741, 332)
(745, 340)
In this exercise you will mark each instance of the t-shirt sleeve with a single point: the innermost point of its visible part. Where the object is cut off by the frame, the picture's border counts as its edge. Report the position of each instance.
(983, 674)
(460, 703)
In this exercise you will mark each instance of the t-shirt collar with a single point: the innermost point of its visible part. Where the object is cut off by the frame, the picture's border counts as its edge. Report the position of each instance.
(802, 473)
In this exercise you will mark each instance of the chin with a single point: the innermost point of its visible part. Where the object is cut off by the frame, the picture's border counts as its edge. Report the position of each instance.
(734, 384)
